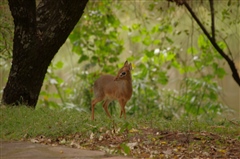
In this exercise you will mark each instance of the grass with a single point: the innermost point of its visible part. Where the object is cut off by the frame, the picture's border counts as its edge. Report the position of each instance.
(151, 135)
(20, 122)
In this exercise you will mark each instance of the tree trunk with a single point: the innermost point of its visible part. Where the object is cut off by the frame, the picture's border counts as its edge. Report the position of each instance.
(39, 33)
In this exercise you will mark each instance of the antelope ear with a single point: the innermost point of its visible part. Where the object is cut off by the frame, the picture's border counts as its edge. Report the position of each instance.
(130, 66)
(126, 63)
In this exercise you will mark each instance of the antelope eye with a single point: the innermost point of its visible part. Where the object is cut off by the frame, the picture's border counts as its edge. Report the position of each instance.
(123, 73)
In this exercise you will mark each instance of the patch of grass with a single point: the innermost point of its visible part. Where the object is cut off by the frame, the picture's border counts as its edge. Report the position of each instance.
(145, 136)
(20, 122)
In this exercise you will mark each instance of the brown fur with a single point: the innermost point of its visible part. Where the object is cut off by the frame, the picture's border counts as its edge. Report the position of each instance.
(108, 88)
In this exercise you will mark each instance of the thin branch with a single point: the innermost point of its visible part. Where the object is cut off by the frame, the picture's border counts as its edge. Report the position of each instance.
(231, 64)
(212, 19)
(230, 53)
(194, 61)
(197, 20)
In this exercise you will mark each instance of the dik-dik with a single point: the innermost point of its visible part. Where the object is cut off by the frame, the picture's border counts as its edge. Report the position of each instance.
(108, 88)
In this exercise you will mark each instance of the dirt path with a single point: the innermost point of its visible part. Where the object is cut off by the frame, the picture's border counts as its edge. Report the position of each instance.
(25, 150)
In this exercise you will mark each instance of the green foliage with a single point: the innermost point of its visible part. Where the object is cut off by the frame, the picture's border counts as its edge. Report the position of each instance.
(95, 38)
(159, 59)
(154, 41)
(96, 41)
(6, 34)
(51, 99)
(125, 149)
(6, 43)
(200, 97)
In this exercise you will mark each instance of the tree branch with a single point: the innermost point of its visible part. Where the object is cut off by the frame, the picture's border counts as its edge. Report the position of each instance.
(230, 62)
(212, 19)
(197, 20)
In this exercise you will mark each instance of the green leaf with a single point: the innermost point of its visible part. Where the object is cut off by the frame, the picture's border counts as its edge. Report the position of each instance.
(144, 58)
(59, 80)
(147, 41)
(213, 96)
(125, 148)
(125, 28)
(192, 50)
(59, 65)
(144, 71)
(83, 58)
(156, 42)
(170, 56)
(143, 31)
(220, 72)
(111, 19)
(77, 49)
(208, 78)
(222, 45)
(175, 64)
(95, 58)
(74, 36)
(151, 7)
(135, 26)
(136, 39)
(168, 28)
(169, 40)
(149, 53)
(155, 29)
(162, 78)
(202, 42)
(113, 59)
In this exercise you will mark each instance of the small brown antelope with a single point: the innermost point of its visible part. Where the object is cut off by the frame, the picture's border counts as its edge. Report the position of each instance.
(108, 88)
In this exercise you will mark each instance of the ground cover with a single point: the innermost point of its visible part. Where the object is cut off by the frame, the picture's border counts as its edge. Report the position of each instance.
(142, 136)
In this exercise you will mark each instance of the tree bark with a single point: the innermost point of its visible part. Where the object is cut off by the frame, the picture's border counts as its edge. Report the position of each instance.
(39, 33)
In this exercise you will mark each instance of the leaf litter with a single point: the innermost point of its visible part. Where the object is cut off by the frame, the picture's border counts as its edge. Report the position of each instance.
(151, 143)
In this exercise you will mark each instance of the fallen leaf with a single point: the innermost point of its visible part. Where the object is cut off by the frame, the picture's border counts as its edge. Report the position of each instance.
(91, 136)
(34, 141)
(222, 151)
(63, 141)
(133, 130)
(168, 151)
(132, 145)
(100, 138)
